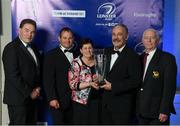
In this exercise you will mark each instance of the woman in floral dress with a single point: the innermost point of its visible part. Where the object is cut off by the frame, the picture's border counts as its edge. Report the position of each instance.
(85, 89)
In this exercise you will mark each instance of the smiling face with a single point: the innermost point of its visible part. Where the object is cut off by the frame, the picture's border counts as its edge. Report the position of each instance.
(87, 50)
(27, 32)
(150, 40)
(66, 39)
(119, 37)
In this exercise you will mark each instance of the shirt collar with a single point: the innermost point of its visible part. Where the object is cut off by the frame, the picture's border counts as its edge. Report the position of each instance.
(62, 48)
(151, 53)
(24, 43)
(120, 50)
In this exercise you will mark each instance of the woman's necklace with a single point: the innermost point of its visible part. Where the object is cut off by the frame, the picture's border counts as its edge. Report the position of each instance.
(88, 61)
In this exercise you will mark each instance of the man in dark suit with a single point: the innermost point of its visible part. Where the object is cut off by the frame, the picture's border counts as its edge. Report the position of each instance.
(22, 75)
(55, 76)
(156, 95)
(123, 75)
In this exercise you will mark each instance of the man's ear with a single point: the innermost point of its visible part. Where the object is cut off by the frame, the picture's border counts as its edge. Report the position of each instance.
(19, 30)
(158, 41)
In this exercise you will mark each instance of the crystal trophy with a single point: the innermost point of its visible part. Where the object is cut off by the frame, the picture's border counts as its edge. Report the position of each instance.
(100, 65)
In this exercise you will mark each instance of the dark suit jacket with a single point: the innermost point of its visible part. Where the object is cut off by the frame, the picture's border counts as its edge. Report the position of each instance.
(125, 77)
(159, 86)
(55, 77)
(21, 72)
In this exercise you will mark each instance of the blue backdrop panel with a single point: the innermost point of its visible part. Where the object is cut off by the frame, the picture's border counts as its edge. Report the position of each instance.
(90, 18)
(171, 31)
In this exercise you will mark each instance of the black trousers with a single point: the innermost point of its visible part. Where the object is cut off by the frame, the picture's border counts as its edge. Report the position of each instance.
(22, 114)
(115, 118)
(151, 121)
(60, 117)
(86, 114)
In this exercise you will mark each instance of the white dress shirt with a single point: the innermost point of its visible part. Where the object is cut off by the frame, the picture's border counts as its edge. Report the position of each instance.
(69, 55)
(149, 58)
(115, 56)
(30, 51)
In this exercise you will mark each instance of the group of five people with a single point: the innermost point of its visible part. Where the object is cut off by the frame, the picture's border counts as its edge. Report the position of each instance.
(136, 90)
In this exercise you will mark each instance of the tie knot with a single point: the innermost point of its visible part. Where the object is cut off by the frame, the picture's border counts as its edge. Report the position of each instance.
(68, 50)
(28, 45)
(114, 52)
(146, 54)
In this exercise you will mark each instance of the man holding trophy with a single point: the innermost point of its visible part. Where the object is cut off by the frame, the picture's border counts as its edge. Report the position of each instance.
(123, 76)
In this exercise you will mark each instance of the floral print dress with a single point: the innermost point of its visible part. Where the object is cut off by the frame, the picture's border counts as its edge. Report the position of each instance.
(79, 72)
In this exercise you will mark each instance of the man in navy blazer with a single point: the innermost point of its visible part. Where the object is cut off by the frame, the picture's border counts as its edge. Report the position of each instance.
(22, 76)
(55, 78)
(156, 95)
(123, 76)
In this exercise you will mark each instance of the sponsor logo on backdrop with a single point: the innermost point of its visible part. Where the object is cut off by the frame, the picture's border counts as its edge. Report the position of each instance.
(69, 13)
(148, 15)
(106, 24)
(106, 11)
(139, 48)
(106, 14)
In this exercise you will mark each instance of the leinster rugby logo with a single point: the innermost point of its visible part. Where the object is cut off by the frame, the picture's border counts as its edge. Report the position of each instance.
(106, 11)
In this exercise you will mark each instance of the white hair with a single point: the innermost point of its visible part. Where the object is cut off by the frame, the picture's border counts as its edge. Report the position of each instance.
(153, 30)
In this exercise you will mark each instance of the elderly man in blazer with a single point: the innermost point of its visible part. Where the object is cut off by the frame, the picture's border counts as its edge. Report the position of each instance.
(156, 95)
(22, 76)
(123, 75)
(55, 77)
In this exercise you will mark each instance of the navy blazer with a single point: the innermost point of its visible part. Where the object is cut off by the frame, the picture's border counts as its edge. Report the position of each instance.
(157, 92)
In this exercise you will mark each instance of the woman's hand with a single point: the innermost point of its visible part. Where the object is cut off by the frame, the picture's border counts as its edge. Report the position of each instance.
(95, 78)
(94, 85)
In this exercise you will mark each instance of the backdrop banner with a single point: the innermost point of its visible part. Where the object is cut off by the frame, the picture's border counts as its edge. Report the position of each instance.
(90, 18)
(87, 18)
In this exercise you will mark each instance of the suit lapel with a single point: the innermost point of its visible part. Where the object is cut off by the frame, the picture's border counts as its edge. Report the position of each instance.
(120, 57)
(61, 53)
(27, 52)
(118, 60)
(151, 65)
(37, 56)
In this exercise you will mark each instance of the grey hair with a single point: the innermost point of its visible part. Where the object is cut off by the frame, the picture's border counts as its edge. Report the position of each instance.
(122, 25)
(153, 30)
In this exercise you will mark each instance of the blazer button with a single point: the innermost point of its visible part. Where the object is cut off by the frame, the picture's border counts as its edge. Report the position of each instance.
(141, 89)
